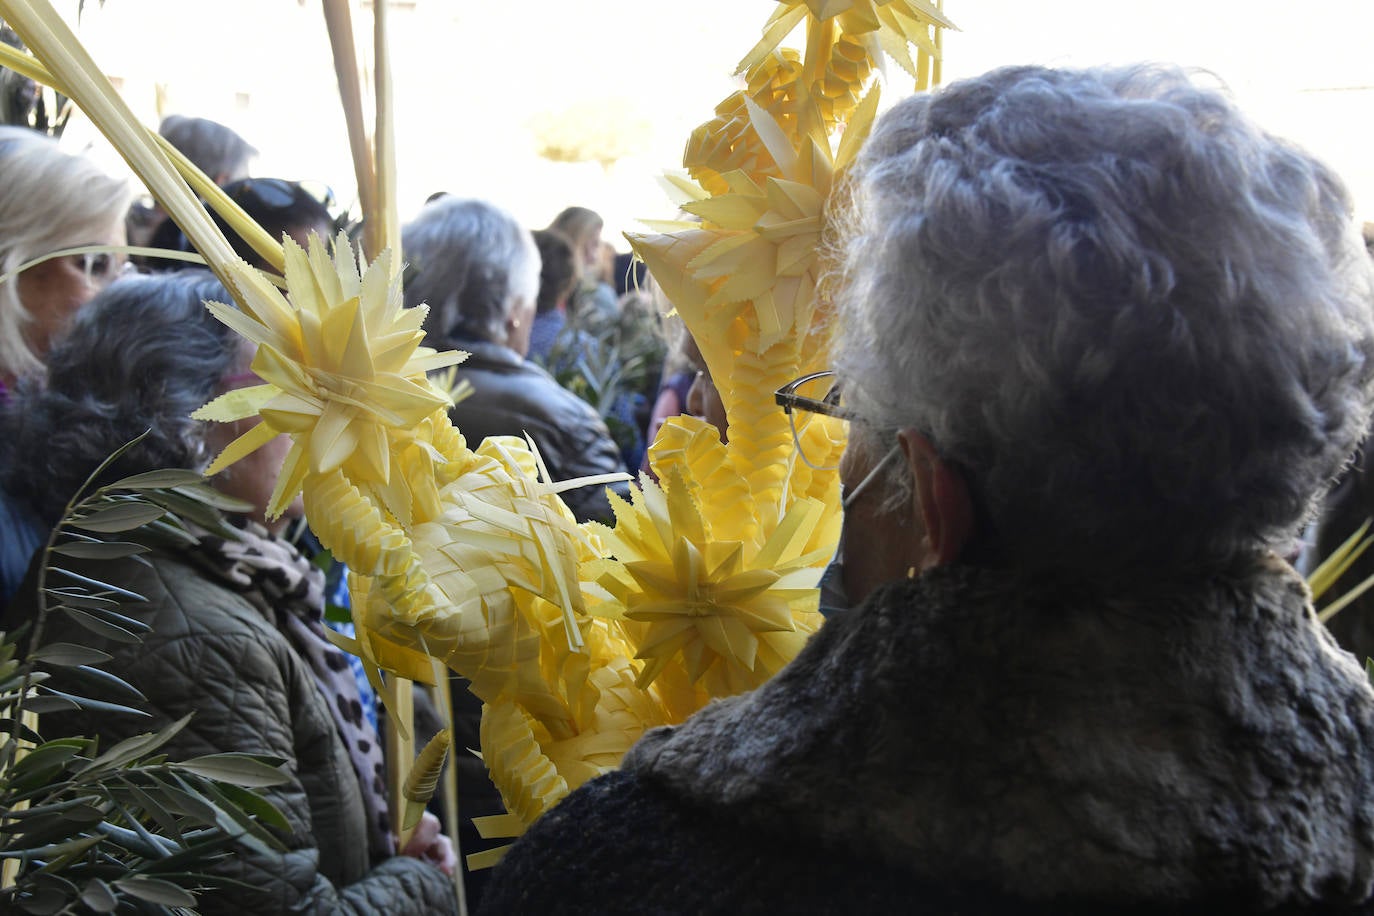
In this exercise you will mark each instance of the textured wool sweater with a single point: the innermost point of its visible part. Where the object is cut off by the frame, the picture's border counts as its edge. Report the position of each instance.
(978, 741)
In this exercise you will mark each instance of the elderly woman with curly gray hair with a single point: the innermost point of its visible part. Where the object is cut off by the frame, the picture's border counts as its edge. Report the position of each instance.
(1104, 343)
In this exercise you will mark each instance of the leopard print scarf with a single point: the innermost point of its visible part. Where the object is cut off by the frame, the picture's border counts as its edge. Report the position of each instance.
(289, 592)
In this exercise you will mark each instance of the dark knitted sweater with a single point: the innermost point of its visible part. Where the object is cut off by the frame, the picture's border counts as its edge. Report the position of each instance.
(979, 742)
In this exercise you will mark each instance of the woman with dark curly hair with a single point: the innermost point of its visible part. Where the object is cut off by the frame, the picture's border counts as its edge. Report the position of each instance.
(236, 634)
(1104, 343)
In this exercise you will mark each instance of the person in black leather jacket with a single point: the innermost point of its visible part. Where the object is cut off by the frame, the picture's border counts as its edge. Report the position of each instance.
(478, 271)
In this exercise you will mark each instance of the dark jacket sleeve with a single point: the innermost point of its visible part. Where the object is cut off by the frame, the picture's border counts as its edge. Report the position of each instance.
(587, 450)
(248, 690)
(517, 398)
(21, 534)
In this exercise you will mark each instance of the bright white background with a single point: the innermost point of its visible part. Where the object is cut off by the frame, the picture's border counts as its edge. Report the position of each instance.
(479, 80)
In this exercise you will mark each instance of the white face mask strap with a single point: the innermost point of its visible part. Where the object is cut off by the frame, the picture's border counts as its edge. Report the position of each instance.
(872, 475)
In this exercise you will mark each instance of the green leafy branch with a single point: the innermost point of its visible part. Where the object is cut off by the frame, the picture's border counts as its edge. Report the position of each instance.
(603, 359)
(126, 829)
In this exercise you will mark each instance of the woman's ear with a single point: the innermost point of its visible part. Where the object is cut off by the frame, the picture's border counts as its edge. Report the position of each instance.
(942, 499)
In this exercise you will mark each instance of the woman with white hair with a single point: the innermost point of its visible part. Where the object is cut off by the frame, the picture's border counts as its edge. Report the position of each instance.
(50, 200)
(1104, 344)
(478, 271)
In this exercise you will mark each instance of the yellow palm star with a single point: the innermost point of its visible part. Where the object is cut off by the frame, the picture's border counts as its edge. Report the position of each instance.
(342, 367)
(693, 597)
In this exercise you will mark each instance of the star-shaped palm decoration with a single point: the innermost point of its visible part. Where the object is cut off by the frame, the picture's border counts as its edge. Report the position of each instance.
(700, 586)
(342, 370)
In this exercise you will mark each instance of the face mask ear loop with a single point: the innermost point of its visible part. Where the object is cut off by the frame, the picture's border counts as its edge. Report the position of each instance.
(847, 499)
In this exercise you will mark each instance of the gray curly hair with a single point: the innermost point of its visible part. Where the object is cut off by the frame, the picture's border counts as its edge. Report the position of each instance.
(471, 262)
(139, 358)
(1140, 325)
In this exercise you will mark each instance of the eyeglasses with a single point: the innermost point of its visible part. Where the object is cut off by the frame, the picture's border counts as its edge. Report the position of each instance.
(804, 399)
(848, 499)
(102, 267)
(270, 200)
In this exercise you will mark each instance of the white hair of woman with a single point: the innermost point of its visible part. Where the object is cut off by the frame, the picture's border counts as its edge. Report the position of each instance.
(49, 200)
(474, 265)
(1140, 325)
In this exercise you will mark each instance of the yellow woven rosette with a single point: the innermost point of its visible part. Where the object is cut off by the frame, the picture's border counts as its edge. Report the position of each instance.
(576, 637)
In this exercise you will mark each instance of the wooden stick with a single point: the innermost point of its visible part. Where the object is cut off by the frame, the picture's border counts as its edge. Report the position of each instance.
(338, 19)
(400, 751)
(384, 140)
(444, 696)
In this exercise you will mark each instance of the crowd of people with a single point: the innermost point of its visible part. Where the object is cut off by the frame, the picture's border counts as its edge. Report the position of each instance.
(1104, 346)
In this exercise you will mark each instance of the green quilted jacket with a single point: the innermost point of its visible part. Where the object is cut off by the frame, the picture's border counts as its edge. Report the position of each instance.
(212, 653)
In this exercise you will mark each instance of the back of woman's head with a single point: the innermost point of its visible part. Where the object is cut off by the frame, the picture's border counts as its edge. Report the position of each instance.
(280, 207)
(557, 269)
(1139, 323)
(215, 149)
(470, 262)
(578, 223)
(49, 200)
(140, 357)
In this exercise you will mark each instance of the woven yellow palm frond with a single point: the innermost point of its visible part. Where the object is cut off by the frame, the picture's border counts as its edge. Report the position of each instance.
(513, 740)
(688, 442)
(619, 716)
(533, 769)
(711, 598)
(728, 142)
(764, 452)
(501, 537)
(899, 23)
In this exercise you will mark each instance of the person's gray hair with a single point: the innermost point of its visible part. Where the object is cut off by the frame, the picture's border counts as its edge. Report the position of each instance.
(142, 355)
(49, 200)
(215, 149)
(1139, 324)
(471, 262)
